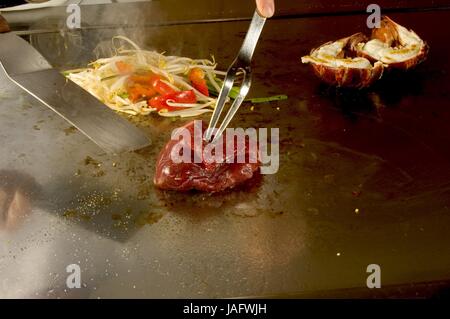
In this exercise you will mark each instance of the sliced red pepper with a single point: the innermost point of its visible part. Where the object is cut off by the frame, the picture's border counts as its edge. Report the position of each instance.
(138, 92)
(152, 80)
(160, 102)
(162, 88)
(124, 67)
(197, 78)
(147, 79)
(183, 97)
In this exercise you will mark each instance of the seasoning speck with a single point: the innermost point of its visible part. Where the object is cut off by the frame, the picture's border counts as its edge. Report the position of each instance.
(90, 161)
(70, 130)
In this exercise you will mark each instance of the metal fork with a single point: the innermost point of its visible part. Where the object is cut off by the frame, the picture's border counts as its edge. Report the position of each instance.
(240, 64)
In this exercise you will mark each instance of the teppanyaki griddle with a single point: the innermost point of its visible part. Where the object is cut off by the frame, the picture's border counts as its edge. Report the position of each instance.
(363, 179)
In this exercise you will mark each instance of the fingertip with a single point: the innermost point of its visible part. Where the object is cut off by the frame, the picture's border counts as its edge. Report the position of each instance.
(268, 12)
(266, 8)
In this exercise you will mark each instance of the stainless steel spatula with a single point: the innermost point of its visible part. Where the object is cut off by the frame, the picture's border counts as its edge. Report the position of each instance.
(25, 66)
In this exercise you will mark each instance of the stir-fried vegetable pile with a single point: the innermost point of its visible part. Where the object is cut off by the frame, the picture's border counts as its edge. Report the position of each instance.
(137, 81)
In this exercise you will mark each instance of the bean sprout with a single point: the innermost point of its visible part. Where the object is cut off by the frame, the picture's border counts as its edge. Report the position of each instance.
(103, 79)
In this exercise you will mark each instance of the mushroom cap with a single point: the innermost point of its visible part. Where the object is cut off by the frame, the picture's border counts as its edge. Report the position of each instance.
(394, 46)
(336, 63)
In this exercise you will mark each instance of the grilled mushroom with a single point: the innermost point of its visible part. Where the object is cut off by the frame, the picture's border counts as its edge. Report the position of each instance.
(4, 27)
(336, 63)
(394, 45)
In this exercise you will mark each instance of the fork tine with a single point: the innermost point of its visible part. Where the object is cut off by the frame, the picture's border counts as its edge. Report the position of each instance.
(226, 88)
(245, 87)
(242, 62)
